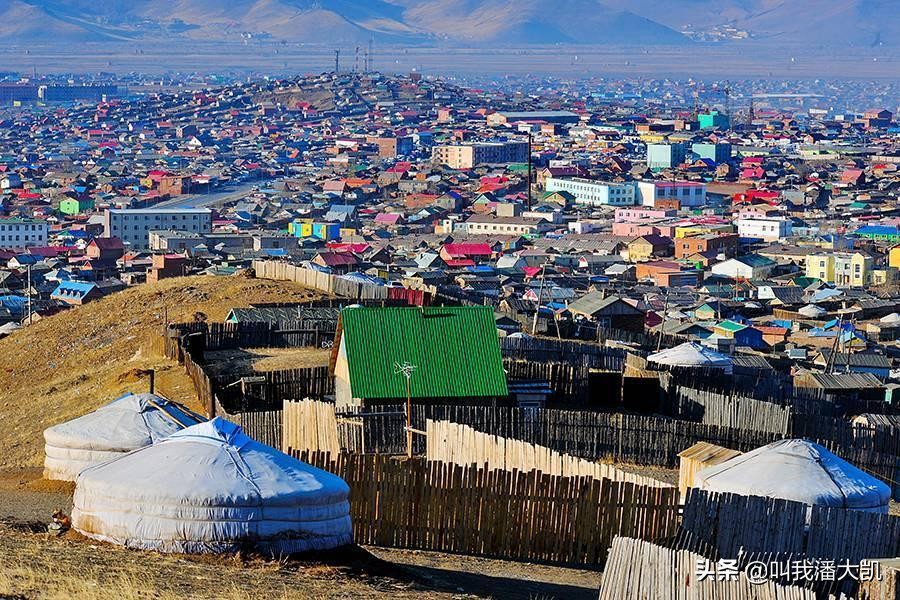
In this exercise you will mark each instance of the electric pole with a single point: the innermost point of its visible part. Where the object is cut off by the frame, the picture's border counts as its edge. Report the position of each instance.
(530, 136)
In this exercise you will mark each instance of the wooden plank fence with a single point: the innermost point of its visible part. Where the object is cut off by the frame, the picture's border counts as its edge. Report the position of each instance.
(339, 286)
(416, 504)
(732, 523)
(309, 425)
(461, 445)
(710, 407)
(640, 570)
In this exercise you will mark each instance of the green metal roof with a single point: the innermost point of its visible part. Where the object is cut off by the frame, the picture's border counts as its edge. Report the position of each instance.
(454, 349)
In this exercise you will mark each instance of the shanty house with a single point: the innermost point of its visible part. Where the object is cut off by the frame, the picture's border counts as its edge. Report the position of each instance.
(450, 353)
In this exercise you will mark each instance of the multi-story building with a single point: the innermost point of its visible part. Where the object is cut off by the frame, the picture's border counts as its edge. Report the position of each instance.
(665, 156)
(768, 229)
(491, 225)
(713, 120)
(845, 269)
(22, 233)
(686, 194)
(133, 225)
(547, 116)
(595, 193)
(720, 152)
(722, 243)
(391, 146)
(470, 155)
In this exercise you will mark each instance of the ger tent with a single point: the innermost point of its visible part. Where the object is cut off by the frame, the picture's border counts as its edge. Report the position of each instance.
(210, 488)
(690, 354)
(798, 470)
(125, 424)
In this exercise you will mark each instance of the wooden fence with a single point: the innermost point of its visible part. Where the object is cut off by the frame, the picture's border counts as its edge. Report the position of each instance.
(339, 286)
(416, 504)
(731, 524)
(285, 334)
(276, 387)
(640, 570)
(461, 445)
(563, 351)
(707, 406)
(309, 425)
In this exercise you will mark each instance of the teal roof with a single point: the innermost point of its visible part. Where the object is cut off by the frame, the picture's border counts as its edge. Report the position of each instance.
(455, 352)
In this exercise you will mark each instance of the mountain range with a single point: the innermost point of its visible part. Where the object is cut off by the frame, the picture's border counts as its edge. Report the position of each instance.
(823, 23)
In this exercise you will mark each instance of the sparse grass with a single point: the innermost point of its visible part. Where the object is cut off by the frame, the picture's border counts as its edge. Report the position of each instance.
(74, 362)
(37, 566)
(246, 360)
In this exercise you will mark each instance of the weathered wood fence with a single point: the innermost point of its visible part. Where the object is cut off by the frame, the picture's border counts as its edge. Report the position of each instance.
(707, 406)
(339, 286)
(731, 524)
(531, 516)
(461, 445)
(640, 570)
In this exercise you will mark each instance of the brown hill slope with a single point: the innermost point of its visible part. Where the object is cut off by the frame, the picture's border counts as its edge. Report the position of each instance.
(74, 362)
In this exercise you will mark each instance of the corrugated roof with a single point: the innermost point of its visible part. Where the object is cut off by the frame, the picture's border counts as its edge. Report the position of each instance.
(454, 349)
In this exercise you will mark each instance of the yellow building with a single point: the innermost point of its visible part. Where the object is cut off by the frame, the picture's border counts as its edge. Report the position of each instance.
(894, 257)
(843, 269)
(696, 229)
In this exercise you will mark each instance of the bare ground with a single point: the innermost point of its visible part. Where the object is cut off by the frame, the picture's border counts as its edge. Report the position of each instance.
(34, 564)
(246, 360)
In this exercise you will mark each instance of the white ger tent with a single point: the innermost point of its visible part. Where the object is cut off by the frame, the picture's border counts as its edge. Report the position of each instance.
(690, 354)
(210, 488)
(125, 424)
(798, 470)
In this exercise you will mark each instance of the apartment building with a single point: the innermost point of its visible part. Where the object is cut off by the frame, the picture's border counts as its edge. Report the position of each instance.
(595, 193)
(19, 233)
(664, 194)
(492, 225)
(133, 225)
(470, 155)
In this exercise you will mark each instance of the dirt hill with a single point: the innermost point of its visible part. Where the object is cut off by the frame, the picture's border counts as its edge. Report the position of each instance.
(76, 361)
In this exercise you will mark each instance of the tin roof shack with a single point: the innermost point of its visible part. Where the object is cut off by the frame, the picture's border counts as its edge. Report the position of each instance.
(841, 386)
(452, 353)
(76, 293)
(696, 458)
(609, 312)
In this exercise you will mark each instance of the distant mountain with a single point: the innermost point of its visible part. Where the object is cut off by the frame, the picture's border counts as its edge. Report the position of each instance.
(322, 21)
(833, 23)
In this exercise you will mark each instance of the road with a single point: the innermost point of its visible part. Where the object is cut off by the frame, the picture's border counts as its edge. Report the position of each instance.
(218, 198)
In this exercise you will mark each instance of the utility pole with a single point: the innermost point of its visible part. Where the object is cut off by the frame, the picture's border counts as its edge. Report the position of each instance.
(530, 137)
(538, 308)
(29, 294)
(662, 329)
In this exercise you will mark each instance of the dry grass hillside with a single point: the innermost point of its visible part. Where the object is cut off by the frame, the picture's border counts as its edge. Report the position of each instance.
(76, 361)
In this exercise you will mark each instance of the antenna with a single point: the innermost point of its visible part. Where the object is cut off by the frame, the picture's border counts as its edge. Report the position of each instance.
(337, 62)
(406, 369)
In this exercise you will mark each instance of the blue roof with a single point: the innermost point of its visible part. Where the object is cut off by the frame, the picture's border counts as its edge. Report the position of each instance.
(73, 289)
(877, 230)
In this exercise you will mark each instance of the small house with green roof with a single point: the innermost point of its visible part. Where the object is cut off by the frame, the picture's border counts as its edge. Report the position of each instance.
(450, 353)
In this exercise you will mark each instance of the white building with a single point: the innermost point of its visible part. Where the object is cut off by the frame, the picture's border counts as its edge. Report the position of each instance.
(769, 229)
(133, 226)
(595, 193)
(689, 194)
(491, 225)
(22, 233)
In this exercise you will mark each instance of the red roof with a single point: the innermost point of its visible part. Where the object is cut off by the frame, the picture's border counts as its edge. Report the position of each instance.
(468, 249)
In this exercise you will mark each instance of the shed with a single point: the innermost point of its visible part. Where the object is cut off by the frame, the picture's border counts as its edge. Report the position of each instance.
(454, 353)
(698, 457)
